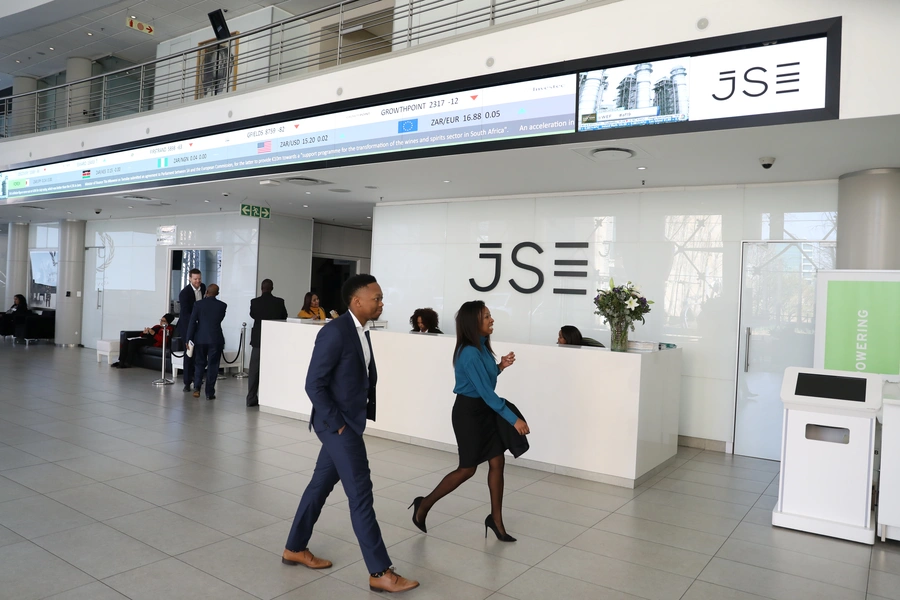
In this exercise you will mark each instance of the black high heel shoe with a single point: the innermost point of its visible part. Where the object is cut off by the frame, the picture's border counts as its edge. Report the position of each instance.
(490, 524)
(415, 506)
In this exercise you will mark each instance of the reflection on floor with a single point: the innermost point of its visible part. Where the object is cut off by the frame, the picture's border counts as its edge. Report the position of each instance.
(111, 488)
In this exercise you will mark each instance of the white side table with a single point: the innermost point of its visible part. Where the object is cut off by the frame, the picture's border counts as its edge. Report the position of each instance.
(109, 349)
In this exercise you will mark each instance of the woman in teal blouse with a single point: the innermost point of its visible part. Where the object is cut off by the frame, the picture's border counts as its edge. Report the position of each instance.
(475, 416)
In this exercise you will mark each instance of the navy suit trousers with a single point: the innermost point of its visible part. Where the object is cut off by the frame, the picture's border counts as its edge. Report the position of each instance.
(206, 360)
(342, 458)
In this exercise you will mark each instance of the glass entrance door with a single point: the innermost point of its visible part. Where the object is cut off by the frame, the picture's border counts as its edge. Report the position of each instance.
(777, 329)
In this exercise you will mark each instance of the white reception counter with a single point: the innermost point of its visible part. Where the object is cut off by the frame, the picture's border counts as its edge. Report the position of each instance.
(594, 414)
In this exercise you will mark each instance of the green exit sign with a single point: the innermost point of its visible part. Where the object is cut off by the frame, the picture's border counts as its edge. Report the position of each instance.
(257, 212)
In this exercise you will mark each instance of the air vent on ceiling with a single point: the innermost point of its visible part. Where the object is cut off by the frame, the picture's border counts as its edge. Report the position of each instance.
(306, 181)
(34, 207)
(136, 198)
(608, 154)
(339, 190)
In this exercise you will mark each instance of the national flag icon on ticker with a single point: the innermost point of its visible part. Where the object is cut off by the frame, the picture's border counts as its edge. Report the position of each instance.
(86, 174)
(408, 126)
(162, 162)
(263, 147)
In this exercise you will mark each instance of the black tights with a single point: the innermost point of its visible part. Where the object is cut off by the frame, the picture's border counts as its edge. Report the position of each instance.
(456, 478)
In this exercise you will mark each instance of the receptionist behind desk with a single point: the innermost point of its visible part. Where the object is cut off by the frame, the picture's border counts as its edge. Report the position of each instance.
(311, 308)
(424, 320)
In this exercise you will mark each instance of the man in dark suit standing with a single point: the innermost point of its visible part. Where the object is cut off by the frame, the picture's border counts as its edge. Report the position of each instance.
(265, 308)
(341, 385)
(205, 330)
(192, 292)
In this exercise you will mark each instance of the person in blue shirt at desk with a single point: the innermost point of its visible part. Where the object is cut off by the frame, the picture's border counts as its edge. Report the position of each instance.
(475, 416)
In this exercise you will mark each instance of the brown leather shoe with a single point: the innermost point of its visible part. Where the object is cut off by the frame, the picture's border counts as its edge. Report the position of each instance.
(305, 558)
(391, 582)
(196, 393)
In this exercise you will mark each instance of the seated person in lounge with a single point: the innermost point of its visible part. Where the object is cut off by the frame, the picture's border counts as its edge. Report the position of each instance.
(15, 315)
(311, 308)
(424, 320)
(151, 336)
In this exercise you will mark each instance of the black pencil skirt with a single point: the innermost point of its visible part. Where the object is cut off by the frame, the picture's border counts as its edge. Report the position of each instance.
(475, 426)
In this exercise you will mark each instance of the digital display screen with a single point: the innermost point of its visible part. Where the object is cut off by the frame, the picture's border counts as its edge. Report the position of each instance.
(647, 93)
(776, 78)
(512, 111)
(835, 387)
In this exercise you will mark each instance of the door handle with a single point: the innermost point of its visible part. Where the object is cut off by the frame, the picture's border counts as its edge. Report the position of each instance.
(747, 351)
(99, 291)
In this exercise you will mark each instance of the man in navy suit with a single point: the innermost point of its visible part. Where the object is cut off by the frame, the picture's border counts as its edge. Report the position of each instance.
(205, 330)
(265, 308)
(341, 385)
(192, 292)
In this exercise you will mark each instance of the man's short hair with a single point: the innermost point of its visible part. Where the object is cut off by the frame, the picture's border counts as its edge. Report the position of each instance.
(212, 290)
(267, 285)
(194, 272)
(354, 284)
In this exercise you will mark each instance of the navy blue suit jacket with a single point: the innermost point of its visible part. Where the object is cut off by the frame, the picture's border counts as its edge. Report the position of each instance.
(186, 303)
(342, 391)
(205, 326)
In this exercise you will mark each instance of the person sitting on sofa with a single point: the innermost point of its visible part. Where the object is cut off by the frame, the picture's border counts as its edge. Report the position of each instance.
(151, 336)
(15, 315)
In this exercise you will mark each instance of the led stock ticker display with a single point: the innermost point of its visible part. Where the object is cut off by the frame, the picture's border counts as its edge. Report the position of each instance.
(779, 77)
(518, 110)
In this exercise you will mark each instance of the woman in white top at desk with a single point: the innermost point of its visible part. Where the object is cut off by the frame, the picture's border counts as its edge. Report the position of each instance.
(311, 308)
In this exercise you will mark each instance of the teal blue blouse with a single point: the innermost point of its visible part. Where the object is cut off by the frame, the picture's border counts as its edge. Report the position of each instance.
(476, 377)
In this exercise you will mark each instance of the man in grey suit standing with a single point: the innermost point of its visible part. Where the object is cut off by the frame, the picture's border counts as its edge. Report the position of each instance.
(205, 330)
(265, 308)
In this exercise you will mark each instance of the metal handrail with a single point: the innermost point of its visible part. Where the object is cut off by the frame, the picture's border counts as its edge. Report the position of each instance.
(314, 40)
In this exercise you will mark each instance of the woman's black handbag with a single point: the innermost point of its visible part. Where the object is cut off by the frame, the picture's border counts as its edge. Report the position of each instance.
(516, 443)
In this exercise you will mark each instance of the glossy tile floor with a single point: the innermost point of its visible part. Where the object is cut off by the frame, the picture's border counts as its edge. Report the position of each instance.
(111, 488)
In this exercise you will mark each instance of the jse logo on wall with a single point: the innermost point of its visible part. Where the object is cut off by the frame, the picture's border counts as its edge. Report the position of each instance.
(518, 261)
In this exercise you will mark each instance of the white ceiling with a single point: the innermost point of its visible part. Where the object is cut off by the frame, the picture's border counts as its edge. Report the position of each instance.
(26, 37)
(805, 152)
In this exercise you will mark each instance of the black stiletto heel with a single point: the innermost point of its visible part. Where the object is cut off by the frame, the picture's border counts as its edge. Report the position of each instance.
(490, 524)
(415, 506)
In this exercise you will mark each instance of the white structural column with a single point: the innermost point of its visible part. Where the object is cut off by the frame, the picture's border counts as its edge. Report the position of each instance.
(78, 96)
(69, 291)
(868, 220)
(16, 262)
(642, 75)
(22, 119)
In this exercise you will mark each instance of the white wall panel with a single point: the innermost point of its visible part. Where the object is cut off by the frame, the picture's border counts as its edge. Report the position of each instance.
(285, 257)
(135, 271)
(682, 246)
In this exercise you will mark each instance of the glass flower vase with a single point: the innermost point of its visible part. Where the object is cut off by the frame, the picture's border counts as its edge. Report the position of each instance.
(618, 337)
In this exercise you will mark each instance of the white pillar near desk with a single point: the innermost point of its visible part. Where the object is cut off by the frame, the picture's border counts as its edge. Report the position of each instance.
(599, 415)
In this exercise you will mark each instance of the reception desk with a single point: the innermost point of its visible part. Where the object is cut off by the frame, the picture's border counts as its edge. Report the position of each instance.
(599, 415)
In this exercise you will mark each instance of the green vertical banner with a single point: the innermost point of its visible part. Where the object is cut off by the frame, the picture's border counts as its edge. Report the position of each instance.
(862, 328)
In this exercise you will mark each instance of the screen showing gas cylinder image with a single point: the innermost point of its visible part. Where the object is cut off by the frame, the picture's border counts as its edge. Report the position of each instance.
(646, 93)
(44, 274)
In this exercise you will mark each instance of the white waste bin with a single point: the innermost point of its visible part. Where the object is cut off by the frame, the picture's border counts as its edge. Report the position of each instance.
(828, 452)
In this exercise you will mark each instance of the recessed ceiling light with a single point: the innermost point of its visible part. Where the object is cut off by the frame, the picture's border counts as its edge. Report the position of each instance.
(52, 48)
(306, 206)
(133, 17)
(68, 212)
(89, 33)
(207, 201)
(368, 217)
(18, 216)
(19, 62)
(130, 207)
(308, 193)
(446, 181)
(642, 168)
